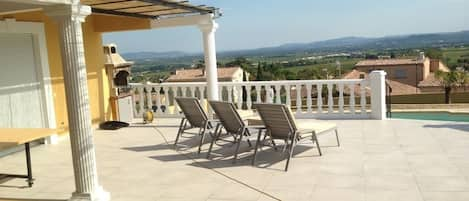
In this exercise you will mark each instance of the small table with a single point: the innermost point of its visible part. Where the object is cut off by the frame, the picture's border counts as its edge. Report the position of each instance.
(19, 136)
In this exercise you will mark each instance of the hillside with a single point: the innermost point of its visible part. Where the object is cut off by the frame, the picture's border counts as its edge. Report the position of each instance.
(346, 44)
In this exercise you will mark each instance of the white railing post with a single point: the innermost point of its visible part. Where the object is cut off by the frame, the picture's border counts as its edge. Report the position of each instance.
(166, 100)
(258, 94)
(248, 97)
(230, 94)
(287, 92)
(341, 98)
(352, 98)
(330, 98)
(277, 94)
(378, 94)
(158, 100)
(298, 99)
(239, 97)
(319, 98)
(309, 101)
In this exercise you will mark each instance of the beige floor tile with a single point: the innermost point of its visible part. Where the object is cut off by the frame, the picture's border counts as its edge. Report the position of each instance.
(337, 194)
(443, 183)
(445, 196)
(378, 160)
(390, 182)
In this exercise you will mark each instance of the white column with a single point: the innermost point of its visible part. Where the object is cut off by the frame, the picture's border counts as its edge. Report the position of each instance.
(69, 19)
(378, 94)
(208, 31)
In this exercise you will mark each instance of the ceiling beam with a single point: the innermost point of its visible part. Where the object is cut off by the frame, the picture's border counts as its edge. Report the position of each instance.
(114, 12)
(131, 7)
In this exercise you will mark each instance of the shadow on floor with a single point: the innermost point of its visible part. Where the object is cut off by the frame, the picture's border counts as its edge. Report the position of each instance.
(5, 179)
(222, 157)
(265, 158)
(461, 127)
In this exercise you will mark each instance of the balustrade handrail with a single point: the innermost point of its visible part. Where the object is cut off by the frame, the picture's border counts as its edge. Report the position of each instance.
(290, 82)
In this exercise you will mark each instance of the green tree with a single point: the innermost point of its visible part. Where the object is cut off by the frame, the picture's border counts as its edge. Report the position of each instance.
(450, 80)
(434, 53)
(259, 71)
(200, 63)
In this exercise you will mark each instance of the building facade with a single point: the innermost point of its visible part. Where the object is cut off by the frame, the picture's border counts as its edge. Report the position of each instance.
(404, 76)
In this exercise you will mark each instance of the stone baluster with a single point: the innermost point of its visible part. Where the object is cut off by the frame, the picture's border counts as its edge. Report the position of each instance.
(258, 94)
(278, 97)
(362, 98)
(319, 98)
(239, 91)
(166, 99)
(230, 93)
(248, 97)
(309, 101)
(298, 99)
(341, 98)
(330, 99)
(158, 100)
(149, 98)
(352, 98)
(177, 110)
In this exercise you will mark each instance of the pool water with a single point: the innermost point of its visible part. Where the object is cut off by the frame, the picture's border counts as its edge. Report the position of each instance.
(438, 116)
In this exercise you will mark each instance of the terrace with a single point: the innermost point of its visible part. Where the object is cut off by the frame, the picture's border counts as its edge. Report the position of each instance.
(377, 160)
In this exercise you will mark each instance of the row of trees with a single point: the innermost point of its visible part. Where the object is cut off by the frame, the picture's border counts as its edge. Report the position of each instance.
(263, 71)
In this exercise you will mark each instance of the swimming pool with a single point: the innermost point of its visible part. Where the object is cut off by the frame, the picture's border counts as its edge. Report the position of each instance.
(438, 116)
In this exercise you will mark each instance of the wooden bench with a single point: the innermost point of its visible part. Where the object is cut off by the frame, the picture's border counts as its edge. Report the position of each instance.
(19, 136)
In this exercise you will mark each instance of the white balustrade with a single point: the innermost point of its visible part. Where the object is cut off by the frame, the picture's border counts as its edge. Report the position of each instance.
(298, 99)
(319, 98)
(330, 99)
(309, 101)
(264, 92)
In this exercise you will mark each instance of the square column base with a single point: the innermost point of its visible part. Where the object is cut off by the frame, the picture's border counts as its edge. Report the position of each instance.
(98, 195)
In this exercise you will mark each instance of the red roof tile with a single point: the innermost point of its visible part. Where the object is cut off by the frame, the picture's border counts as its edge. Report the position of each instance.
(197, 75)
(388, 62)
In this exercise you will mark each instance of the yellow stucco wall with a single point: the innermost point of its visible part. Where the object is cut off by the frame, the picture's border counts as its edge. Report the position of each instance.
(98, 84)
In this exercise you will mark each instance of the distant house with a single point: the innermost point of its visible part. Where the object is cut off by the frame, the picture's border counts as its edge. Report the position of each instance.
(405, 76)
(226, 74)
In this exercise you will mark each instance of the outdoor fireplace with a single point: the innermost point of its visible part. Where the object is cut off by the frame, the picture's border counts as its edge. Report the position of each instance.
(118, 71)
(117, 68)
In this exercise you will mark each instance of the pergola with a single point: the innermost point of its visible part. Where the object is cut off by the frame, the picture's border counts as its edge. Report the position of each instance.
(171, 13)
(69, 15)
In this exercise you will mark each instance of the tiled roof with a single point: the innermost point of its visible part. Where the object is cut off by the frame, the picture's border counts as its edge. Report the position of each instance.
(398, 88)
(388, 62)
(354, 74)
(197, 75)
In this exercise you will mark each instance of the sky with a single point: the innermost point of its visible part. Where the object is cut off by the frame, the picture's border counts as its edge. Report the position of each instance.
(249, 24)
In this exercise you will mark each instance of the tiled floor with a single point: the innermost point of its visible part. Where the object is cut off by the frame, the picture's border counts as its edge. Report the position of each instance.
(394, 160)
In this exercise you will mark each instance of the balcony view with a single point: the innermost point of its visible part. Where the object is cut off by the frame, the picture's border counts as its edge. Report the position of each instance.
(204, 100)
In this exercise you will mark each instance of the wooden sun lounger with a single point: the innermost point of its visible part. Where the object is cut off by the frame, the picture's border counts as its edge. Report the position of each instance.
(19, 136)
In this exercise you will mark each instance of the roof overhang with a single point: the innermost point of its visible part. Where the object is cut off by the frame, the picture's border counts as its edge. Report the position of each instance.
(150, 9)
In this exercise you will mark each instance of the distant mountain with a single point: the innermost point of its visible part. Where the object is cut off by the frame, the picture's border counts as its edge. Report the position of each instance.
(154, 55)
(362, 43)
(334, 45)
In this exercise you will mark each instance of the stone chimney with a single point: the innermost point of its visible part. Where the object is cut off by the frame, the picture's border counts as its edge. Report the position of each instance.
(422, 56)
(434, 65)
(178, 71)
